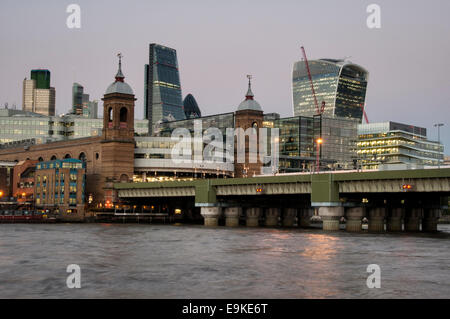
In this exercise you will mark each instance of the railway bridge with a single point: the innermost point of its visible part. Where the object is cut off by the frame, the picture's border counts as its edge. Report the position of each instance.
(398, 200)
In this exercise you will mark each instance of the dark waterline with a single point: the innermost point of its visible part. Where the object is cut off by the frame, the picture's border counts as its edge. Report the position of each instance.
(162, 261)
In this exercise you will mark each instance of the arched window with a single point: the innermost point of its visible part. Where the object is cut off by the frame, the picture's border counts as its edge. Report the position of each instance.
(53, 158)
(67, 156)
(110, 117)
(82, 157)
(123, 117)
(40, 159)
(124, 178)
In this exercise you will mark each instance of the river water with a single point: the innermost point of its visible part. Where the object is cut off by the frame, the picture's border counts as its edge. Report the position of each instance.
(170, 261)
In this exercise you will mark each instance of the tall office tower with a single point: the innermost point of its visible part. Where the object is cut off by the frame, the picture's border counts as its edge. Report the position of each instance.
(81, 104)
(90, 109)
(77, 98)
(340, 84)
(28, 95)
(162, 89)
(44, 101)
(38, 96)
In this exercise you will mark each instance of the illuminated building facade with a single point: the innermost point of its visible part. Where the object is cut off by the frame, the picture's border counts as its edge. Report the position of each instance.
(162, 88)
(60, 187)
(340, 84)
(23, 181)
(298, 136)
(396, 143)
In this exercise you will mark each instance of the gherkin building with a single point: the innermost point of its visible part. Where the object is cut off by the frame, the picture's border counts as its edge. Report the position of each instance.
(191, 108)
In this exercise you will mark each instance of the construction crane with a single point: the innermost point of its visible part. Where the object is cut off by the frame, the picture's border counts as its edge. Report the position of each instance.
(363, 106)
(319, 111)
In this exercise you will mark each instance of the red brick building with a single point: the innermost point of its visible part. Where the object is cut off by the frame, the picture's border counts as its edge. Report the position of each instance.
(109, 158)
(23, 181)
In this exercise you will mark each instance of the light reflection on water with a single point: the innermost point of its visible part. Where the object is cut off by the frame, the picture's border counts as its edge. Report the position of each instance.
(158, 261)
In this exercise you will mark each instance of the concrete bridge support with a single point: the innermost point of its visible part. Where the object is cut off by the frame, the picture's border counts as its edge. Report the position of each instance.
(376, 219)
(272, 215)
(394, 221)
(354, 216)
(305, 215)
(232, 216)
(252, 216)
(330, 217)
(289, 216)
(211, 215)
(430, 219)
(412, 219)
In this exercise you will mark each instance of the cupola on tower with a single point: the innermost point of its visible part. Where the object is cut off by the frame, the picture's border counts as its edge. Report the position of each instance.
(118, 133)
(248, 115)
(118, 109)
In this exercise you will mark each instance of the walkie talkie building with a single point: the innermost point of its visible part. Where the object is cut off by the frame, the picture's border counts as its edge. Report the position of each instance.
(340, 84)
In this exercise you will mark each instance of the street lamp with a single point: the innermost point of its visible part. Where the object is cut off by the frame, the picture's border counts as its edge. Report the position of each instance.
(319, 142)
(438, 125)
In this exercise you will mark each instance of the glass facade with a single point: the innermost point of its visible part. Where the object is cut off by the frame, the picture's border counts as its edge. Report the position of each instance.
(77, 98)
(296, 140)
(162, 89)
(341, 85)
(396, 143)
(17, 125)
(220, 121)
(339, 137)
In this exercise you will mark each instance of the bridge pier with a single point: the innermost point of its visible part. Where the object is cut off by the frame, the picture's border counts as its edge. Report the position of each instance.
(354, 217)
(430, 219)
(305, 215)
(289, 216)
(412, 219)
(252, 216)
(331, 217)
(394, 220)
(272, 215)
(376, 219)
(211, 215)
(232, 216)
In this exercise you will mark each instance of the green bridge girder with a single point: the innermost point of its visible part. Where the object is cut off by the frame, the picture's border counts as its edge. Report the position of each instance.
(324, 188)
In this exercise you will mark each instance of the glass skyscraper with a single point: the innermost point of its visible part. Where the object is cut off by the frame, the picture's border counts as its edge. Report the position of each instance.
(340, 84)
(162, 89)
(77, 98)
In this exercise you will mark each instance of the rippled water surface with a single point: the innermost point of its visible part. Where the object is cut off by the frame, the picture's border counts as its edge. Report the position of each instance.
(162, 261)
